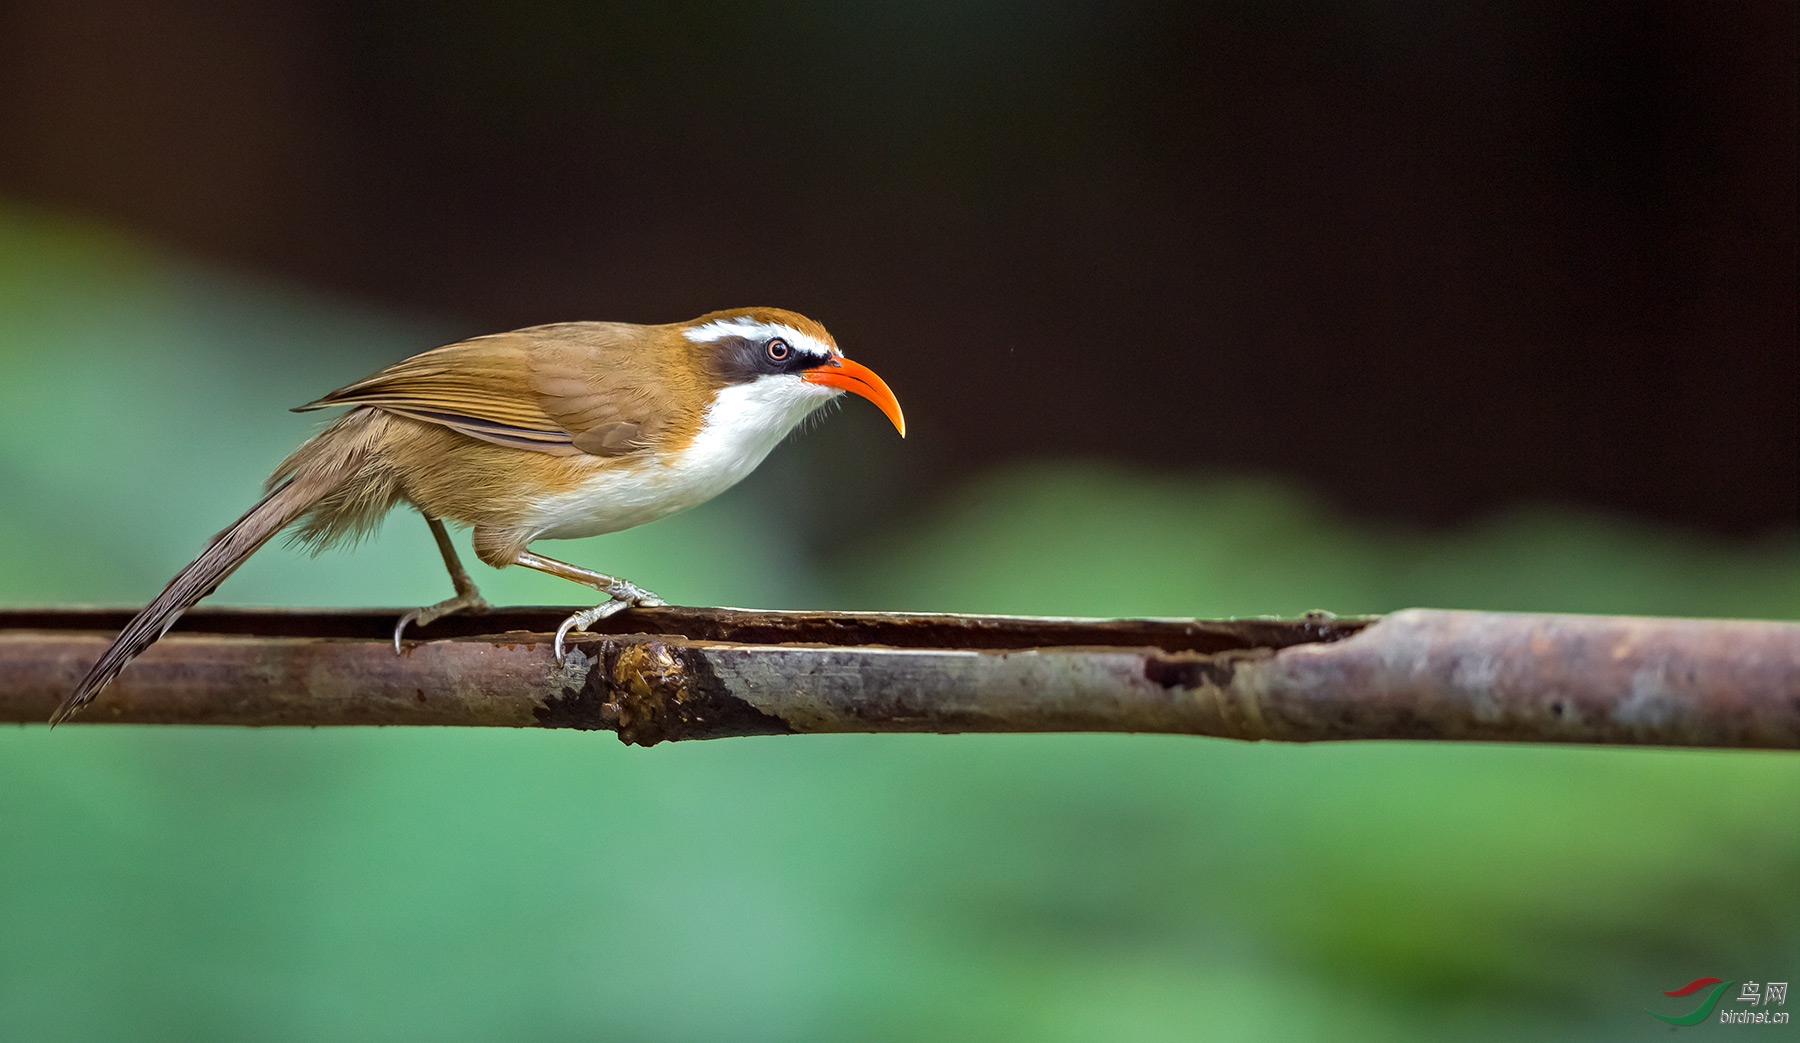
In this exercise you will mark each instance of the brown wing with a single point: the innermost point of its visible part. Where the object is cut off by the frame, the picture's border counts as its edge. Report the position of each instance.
(562, 389)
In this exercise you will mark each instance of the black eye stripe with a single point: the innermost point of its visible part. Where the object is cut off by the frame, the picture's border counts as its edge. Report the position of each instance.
(737, 360)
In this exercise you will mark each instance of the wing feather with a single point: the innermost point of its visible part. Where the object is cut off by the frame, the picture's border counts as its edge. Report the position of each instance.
(565, 389)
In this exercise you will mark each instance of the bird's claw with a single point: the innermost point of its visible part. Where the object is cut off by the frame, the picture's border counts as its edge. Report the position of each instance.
(623, 596)
(400, 627)
(472, 602)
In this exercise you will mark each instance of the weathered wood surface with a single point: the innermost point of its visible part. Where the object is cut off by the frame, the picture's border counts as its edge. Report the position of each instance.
(671, 673)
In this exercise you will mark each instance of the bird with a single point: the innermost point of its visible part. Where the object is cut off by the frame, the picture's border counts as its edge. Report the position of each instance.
(561, 431)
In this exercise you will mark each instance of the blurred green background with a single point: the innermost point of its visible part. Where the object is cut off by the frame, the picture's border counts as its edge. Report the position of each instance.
(173, 884)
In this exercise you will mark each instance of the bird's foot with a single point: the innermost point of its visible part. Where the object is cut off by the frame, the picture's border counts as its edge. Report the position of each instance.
(622, 595)
(468, 601)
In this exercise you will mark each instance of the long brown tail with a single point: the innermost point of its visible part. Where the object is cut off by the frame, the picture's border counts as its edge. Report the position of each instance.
(222, 556)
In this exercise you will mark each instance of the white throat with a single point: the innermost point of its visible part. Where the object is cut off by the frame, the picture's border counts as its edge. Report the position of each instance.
(747, 421)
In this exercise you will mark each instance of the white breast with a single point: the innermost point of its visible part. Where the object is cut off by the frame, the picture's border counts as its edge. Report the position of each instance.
(741, 427)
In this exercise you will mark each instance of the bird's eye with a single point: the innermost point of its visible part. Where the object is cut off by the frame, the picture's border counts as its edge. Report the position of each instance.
(778, 350)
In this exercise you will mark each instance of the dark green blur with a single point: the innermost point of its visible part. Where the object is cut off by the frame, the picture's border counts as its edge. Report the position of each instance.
(167, 884)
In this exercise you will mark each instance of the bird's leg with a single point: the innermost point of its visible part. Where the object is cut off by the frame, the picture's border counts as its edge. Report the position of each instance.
(467, 598)
(623, 593)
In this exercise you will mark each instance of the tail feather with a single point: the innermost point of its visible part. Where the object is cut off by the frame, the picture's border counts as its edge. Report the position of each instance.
(221, 558)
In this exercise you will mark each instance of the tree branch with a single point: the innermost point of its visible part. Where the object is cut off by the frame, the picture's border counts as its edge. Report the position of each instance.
(671, 673)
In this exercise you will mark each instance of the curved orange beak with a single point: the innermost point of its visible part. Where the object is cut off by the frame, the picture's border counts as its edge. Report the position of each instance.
(859, 379)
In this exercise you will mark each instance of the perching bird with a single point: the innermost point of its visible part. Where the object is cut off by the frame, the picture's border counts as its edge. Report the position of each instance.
(552, 432)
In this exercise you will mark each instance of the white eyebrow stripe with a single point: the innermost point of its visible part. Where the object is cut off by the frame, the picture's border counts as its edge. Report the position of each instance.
(718, 329)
